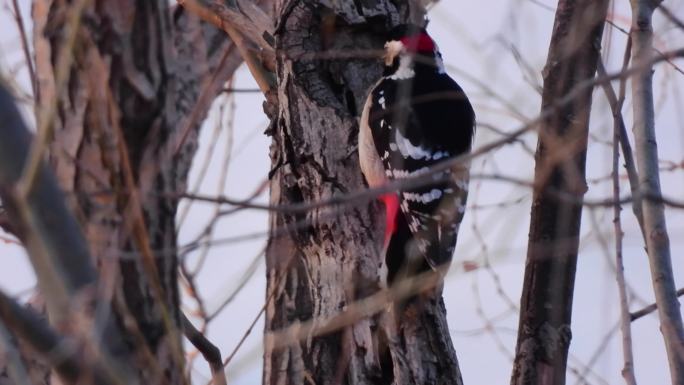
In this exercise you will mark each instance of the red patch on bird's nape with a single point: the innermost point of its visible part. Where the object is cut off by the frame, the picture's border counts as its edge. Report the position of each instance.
(391, 201)
(418, 43)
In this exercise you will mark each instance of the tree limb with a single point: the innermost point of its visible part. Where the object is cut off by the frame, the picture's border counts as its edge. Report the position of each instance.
(546, 302)
(34, 330)
(237, 26)
(650, 308)
(56, 246)
(657, 242)
(209, 351)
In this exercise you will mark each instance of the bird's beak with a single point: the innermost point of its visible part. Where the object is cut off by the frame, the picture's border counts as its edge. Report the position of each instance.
(392, 50)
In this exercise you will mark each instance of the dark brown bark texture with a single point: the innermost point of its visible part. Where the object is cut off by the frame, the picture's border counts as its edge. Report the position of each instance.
(323, 260)
(141, 80)
(546, 304)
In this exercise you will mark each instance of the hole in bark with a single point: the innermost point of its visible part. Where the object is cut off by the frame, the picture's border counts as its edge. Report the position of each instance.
(386, 363)
(351, 102)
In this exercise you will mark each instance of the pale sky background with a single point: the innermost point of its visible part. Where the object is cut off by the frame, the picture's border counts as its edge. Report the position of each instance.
(475, 39)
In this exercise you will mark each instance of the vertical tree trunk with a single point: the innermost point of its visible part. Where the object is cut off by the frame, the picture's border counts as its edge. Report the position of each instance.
(657, 239)
(321, 261)
(124, 133)
(546, 304)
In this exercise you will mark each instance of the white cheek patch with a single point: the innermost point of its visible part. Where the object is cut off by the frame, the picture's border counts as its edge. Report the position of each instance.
(405, 70)
(392, 50)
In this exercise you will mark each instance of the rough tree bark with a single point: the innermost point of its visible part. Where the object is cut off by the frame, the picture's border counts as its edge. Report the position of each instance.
(655, 228)
(321, 261)
(124, 134)
(546, 303)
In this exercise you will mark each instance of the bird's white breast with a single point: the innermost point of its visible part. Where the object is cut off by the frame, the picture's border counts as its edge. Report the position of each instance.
(371, 165)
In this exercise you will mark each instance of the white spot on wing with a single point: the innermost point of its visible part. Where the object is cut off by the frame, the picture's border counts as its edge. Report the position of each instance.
(405, 174)
(423, 198)
(407, 149)
(439, 155)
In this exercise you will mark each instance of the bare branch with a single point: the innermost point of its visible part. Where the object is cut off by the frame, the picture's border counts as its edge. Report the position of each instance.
(625, 326)
(560, 162)
(236, 26)
(650, 308)
(25, 47)
(616, 103)
(56, 246)
(209, 351)
(58, 251)
(34, 329)
(671, 16)
(657, 242)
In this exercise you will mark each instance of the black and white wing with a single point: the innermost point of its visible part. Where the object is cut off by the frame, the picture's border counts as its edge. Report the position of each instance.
(417, 123)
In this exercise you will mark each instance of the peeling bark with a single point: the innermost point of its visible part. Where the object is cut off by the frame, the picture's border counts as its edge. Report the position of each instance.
(329, 257)
(141, 80)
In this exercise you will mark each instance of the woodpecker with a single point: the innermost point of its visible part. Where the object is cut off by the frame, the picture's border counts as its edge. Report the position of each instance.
(415, 117)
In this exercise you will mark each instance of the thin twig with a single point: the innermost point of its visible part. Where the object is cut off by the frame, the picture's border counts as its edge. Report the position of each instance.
(33, 329)
(137, 229)
(25, 47)
(366, 307)
(625, 326)
(203, 168)
(9, 349)
(671, 16)
(251, 269)
(650, 308)
(263, 78)
(227, 155)
(616, 102)
(618, 131)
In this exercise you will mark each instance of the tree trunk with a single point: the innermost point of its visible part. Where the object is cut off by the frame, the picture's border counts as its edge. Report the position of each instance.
(124, 131)
(655, 227)
(322, 261)
(546, 304)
